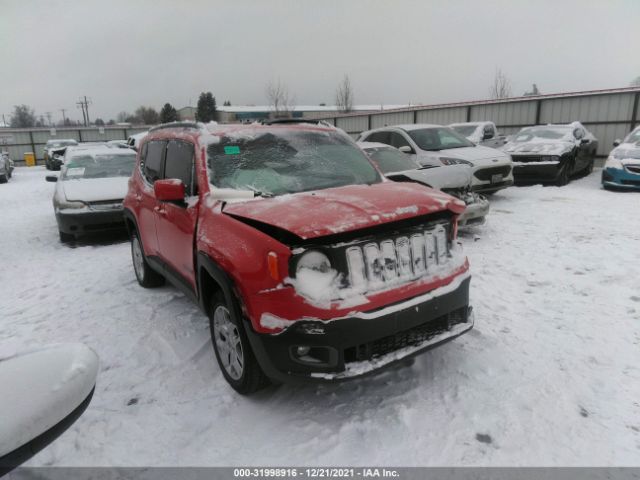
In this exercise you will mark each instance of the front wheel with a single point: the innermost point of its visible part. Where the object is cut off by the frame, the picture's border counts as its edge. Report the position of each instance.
(4, 178)
(146, 276)
(563, 178)
(233, 351)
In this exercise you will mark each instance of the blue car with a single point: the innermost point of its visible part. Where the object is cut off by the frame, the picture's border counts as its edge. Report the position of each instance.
(622, 169)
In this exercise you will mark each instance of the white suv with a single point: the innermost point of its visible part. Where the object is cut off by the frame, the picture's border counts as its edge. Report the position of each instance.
(436, 145)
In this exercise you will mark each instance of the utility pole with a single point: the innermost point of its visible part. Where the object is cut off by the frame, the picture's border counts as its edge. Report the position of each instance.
(48, 115)
(84, 115)
(84, 105)
(64, 119)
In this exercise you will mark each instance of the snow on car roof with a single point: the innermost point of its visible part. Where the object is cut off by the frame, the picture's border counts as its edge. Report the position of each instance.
(460, 124)
(365, 145)
(102, 149)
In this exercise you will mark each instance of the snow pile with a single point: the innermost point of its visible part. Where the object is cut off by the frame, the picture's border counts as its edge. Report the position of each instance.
(549, 375)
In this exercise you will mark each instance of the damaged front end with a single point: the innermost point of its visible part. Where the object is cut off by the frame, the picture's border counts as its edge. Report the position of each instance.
(477, 206)
(356, 302)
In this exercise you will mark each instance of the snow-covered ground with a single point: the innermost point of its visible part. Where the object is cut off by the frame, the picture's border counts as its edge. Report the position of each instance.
(549, 376)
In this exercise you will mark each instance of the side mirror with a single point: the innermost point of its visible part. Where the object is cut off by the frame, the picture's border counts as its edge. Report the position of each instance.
(169, 190)
(617, 142)
(406, 149)
(51, 178)
(43, 394)
(584, 140)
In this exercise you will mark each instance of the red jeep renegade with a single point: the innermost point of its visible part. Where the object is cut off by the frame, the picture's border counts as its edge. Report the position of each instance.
(309, 264)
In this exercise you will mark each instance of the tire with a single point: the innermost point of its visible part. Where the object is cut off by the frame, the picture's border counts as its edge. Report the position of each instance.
(233, 351)
(563, 178)
(66, 237)
(589, 169)
(147, 277)
(4, 178)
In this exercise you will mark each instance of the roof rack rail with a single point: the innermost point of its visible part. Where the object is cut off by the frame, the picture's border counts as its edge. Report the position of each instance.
(176, 125)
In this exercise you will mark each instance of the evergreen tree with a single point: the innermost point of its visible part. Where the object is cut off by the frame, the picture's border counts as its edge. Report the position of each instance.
(168, 114)
(206, 109)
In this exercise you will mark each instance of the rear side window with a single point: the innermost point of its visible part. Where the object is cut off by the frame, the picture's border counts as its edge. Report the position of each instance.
(152, 165)
(397, 140)
(179, 163)
(380, 137)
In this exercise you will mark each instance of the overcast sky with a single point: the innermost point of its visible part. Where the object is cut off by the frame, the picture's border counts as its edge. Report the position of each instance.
(123, 54)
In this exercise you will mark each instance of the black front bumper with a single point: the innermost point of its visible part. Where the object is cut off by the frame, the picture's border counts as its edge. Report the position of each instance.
(351, 347)
(532, 171)
(90, 222)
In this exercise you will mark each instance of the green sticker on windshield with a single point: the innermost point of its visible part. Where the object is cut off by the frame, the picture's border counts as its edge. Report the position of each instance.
(232, 150)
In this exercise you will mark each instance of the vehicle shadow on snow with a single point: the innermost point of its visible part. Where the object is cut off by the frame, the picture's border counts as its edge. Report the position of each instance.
(99, 239)
(397, 380)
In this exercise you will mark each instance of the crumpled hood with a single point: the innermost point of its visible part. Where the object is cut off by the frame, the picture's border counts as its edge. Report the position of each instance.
(453, 176)
(539, 146)
(343, 209)
(95, 189)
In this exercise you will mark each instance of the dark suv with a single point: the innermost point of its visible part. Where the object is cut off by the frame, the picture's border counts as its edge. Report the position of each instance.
(309, 264)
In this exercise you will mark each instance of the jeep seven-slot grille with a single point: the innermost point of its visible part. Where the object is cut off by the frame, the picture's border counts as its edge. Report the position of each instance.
(407, 338)
(378, 263)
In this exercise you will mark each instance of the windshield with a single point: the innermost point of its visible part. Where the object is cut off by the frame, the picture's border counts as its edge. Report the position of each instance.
(438, 138)
(465, 130)
(391, 160)
(278, 161)
(60, 143)
(633, 137)
(99, 166)
(547, 133)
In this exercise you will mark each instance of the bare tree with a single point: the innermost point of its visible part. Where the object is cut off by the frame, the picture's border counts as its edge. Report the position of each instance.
(344, 95)
(279, 99)
(501, 87)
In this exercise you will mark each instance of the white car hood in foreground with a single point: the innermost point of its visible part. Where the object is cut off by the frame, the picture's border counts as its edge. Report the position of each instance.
(454, 176)
(478, 156)
(95, 189)
(41, 388)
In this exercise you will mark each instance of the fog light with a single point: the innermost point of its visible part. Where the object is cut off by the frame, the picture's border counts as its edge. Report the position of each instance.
(302, 350)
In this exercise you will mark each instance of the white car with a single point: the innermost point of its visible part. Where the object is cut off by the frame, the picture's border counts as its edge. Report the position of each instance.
(436, 145)
(6, 167)
(89, 192)
(54, 150)
(134, 140)
(43, 393)
(480, 133)
(454, 180)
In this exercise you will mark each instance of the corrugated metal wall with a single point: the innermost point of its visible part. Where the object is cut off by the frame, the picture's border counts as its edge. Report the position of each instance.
(607, 114)
(19, 141)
